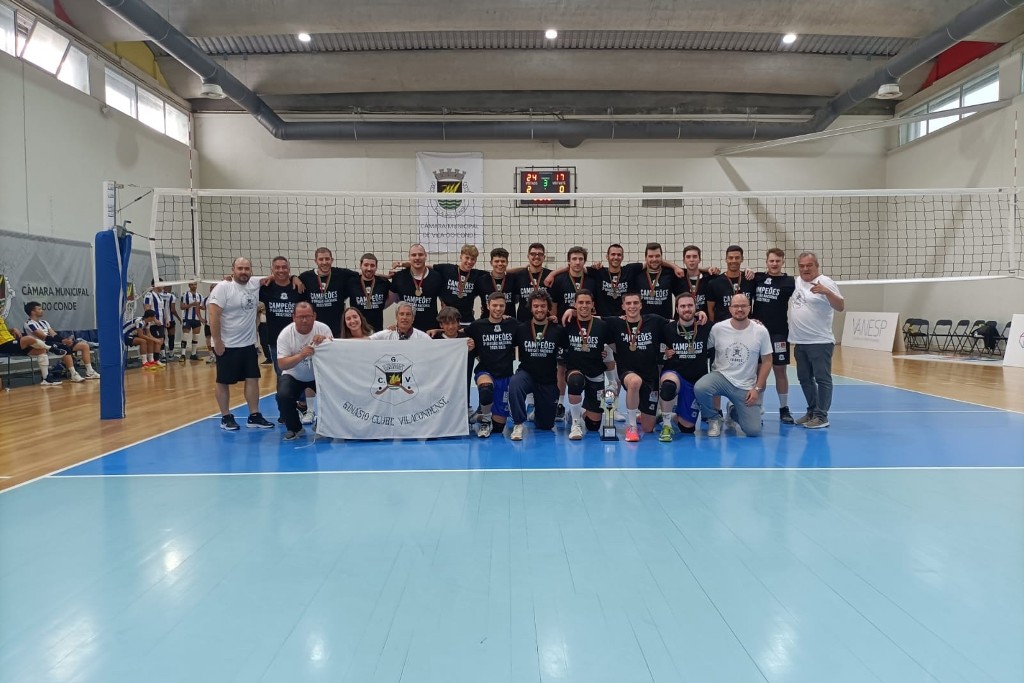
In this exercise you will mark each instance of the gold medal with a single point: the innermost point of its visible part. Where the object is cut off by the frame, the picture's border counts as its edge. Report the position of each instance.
(419, 291)
(585, 334)
(632, 346)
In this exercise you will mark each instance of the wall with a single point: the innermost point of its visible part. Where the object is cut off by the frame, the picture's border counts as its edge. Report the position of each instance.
(58, 148)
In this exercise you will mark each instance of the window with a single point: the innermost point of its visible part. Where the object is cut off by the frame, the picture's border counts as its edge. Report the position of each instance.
(45, 48)
(120, 92)
(75, 69)
(22, 27)
(151, 110)
(176, 124)
(662, 203)
(980, 90)
(7, 32)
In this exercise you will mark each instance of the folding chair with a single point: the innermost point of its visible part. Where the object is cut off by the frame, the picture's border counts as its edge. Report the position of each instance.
(941, 334)
(1004, 337)
(958, 335)
(916, 334)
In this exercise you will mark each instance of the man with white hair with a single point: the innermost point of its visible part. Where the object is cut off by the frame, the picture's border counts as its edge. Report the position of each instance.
(814, 301)
(405, 313)
(739, 346)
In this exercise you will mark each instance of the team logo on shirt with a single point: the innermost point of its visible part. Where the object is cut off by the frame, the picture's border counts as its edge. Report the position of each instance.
(394, 382)
(737, 354)
(449, 181)
(6, 295)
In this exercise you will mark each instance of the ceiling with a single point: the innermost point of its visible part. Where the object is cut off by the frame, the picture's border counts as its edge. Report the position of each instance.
(481, 58)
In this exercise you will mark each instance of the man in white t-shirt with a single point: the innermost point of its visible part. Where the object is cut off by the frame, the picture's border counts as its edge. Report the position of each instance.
(295, 347)
(232, 313)
(811, 309)
(404, 316)
(739, 345)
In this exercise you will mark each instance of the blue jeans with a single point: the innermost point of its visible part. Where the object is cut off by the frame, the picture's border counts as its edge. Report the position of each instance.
(715, 384)
(814, 370)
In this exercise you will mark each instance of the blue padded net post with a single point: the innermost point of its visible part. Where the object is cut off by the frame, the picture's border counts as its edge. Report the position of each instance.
(112, 254)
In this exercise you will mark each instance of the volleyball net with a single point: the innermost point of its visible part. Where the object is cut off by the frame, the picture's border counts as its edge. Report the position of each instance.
(862, 235)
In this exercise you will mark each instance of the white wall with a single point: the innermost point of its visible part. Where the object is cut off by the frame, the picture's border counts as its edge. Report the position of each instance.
(239, 153)
(57, 148)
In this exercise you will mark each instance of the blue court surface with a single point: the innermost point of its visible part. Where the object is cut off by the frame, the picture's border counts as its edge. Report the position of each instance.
(889, 547)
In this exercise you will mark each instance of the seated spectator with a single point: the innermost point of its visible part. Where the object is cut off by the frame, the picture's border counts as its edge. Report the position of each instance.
(137, 332)
(403, 329)
(354, 325)
(37, 327)
(14, 343)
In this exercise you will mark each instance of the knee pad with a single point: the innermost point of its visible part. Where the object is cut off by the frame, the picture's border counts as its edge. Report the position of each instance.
(592, 425)
(668, 390)
(486, 393)
(497, 427)
(575, 383)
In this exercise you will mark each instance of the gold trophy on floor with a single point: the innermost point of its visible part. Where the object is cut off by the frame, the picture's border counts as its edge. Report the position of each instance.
(608, 431)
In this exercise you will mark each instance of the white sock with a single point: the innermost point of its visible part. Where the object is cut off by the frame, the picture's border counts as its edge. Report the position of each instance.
(88, 369)
(576, 412)
(667, 414)
(631, 416)
(44, 364)
(784, 400)
(149, 358)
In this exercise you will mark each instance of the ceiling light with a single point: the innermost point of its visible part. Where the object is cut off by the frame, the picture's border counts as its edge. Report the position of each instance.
(211, 91)
(888, 91)
(789, 39)
(551, 34)
(304, 38)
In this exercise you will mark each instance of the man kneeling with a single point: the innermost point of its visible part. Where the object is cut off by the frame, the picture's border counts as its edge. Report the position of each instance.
(739, 344)
(295, 348)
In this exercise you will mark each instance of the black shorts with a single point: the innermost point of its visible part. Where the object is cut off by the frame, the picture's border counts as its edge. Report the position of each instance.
(157, 331)
(129, 339)
(780, 350)
(13, 348)
(171, 326)
(592, 390)
(237, 365)
(190, 324)
(648, 395)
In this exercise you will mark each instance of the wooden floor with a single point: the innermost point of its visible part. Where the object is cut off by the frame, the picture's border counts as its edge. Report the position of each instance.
(48, 429)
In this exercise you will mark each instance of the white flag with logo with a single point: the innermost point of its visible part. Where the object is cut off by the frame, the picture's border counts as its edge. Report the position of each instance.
(446, 224)
(411, 389)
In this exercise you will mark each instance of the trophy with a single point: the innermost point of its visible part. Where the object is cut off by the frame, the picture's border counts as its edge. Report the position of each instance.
(608, 432)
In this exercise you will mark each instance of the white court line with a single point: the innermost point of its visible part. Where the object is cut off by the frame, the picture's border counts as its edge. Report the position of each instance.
(542, 469)
(121, 448)
(883, 412)
(925, 393)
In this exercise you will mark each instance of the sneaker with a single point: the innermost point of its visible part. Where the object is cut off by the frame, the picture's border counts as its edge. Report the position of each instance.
(181, 359)
(92, 374)
(257, 421)
(560, 412)
(576, 432)
(804, 420)
(148, 365)
(159, 364)
(280, 420)
(76, 378)
(620, 416)
(58, 350)
(193, 357)
(54, 383)
(306, 417)
(517, 433)
(666, 434)
(785, 417)
(632, 435)
(483, 430)
(816, 423)
(291, 436)
(211, 359)
(227, 423)
(715, 426)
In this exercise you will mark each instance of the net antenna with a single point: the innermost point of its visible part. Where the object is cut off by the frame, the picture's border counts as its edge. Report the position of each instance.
(859, 235)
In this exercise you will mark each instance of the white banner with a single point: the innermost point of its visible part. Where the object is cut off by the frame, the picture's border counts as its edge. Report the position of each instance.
(447, 224)
(876, 331)
(411, 389)
(1015, 342)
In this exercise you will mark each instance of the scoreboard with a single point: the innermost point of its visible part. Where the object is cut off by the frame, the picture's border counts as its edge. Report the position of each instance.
(547, 184)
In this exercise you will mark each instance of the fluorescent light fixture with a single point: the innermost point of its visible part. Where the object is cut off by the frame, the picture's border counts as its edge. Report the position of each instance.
(789, 39)
(304, 38)
(551, 34)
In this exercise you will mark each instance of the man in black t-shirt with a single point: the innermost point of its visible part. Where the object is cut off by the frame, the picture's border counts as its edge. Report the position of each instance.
(494, 339)
(637, 354)
(537, 343)
(279, 297)
(656, 280)
(498, 280)
(583, 342)
(525, 281)
(732, 281)
(420, 286)
(369, 292)
(772, 292)
(326, 288)
(686, 361)
(460, 282)
(566, 284)
(694, 280)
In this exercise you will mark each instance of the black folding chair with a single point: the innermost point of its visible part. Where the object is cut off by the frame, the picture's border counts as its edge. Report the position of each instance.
(941, 334)
(916, 334)
(958, 335)
(1004, 337)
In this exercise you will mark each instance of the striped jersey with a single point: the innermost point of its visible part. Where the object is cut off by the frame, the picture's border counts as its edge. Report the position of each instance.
(188, 298)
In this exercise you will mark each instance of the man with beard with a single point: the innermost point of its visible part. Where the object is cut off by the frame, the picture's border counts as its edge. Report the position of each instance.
(279, 297)
(537, 344)
(326, 288)
(420, 287)
(525, 281)
(369, 292)
(583, 342)
(686, 361)
(498, 280)
(494, 341)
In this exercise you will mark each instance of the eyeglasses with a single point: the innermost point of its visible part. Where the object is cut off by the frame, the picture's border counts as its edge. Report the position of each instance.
(536, 253)
(739, 305)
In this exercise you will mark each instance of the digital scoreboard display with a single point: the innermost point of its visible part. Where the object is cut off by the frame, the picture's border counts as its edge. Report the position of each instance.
(547, 184)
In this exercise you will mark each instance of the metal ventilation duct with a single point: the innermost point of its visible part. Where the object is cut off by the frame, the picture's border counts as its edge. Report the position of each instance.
(568, 133)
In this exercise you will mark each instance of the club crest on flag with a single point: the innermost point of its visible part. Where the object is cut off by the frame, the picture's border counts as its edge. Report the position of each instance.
(393, 382)
(129, 301)
(450, 181)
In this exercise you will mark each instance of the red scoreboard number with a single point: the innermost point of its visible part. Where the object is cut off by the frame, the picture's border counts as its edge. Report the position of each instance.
(546, 185)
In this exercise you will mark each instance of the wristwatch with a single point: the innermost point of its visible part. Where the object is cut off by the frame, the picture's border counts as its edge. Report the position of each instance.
(759, 390)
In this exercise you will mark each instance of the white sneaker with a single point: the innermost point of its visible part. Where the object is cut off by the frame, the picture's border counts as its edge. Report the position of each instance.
(55, 383)
(484, 428)
(517, 433)
(576, 432)
(92, 375)
(76, 378)
(306, 418)
(715, 426)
